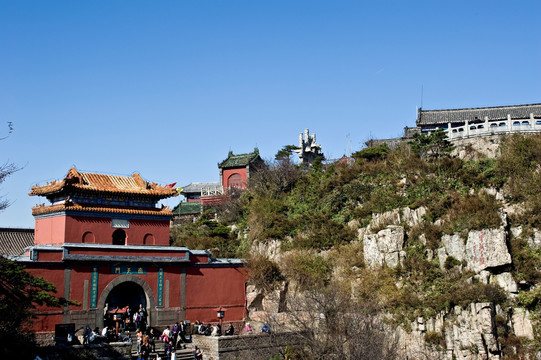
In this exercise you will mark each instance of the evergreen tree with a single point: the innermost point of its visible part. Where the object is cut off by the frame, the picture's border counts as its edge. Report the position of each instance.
(434, 145)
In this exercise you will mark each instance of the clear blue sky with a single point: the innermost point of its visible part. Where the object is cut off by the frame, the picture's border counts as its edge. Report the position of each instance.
(167, 88)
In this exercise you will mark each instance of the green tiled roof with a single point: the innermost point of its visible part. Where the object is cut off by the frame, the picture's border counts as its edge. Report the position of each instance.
(184, 208)
(239, 160)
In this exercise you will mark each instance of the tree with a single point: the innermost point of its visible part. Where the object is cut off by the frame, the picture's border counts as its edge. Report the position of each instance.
(433, 145)
(20, 293)
(284, 154)
(6, 170)
(372, 153)
(334, 325)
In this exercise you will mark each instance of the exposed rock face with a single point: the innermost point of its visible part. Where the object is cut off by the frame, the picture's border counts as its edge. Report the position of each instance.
(477, 147)
(260, 303)
(398, 217)
(271, 249)
(385, 247)
(487, 249)
(522, 325)
(505, 281)
(468, 334)
(483, 249)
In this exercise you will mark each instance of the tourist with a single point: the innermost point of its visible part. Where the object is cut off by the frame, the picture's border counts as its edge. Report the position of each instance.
(95, 336)
(167, 331)
(137, 320)
(195, 328)
(152, 338)
(197, 354)
(266, 328)
(248, 329)
(86, 334)
(174, 333)
(145, 348)
(182, 332)
(214, 331)
(105, 333)
(142, 316)
(169, 350)
(139, 335)
(230, 330)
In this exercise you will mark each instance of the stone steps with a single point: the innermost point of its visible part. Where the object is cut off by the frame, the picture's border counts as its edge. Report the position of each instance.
(182, 354)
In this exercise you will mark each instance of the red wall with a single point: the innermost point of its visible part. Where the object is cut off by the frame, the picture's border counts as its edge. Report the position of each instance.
(209, 288)
(48, 316)
(59, 229)
(226, 173)
(50, 231)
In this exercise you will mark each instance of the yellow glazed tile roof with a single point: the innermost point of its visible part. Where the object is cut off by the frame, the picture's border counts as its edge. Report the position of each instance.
(104, 183)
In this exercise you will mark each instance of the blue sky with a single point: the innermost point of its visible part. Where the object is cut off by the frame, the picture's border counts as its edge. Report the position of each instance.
(167, 88)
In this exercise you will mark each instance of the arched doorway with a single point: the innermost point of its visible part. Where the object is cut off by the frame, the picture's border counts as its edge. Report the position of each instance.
(127, 290)
(119, 237)
(235, 181)
(126, 294)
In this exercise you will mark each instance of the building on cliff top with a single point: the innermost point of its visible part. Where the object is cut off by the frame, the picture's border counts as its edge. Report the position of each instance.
(104, 242)
(235, 171)
(472, 122)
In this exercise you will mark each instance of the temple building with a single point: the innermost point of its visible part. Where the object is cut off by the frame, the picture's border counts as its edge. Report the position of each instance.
(235, 171)
(470, 123)
(103, 241)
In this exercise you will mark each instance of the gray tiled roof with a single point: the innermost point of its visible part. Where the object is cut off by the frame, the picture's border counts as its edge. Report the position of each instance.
(428, 117)
(13, 241)
(196, 187)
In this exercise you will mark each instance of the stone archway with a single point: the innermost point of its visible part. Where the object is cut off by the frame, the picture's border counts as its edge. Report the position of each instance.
(149, 296)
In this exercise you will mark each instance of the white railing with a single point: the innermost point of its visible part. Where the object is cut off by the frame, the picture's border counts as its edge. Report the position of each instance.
(487, 128)
(212, 191)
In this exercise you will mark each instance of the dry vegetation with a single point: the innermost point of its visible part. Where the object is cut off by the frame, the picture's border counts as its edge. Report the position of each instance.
(309, 210)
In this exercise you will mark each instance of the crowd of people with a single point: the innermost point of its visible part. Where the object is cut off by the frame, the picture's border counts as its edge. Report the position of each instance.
(128, 318)
(119, 322)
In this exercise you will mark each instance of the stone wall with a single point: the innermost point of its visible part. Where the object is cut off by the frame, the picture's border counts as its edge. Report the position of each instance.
(253, 347)
(112, 351)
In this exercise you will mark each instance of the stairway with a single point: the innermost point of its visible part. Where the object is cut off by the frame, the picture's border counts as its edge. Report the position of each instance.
(182, 354)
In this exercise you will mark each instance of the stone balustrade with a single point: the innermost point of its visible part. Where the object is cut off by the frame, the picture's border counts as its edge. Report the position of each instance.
(488, 128)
